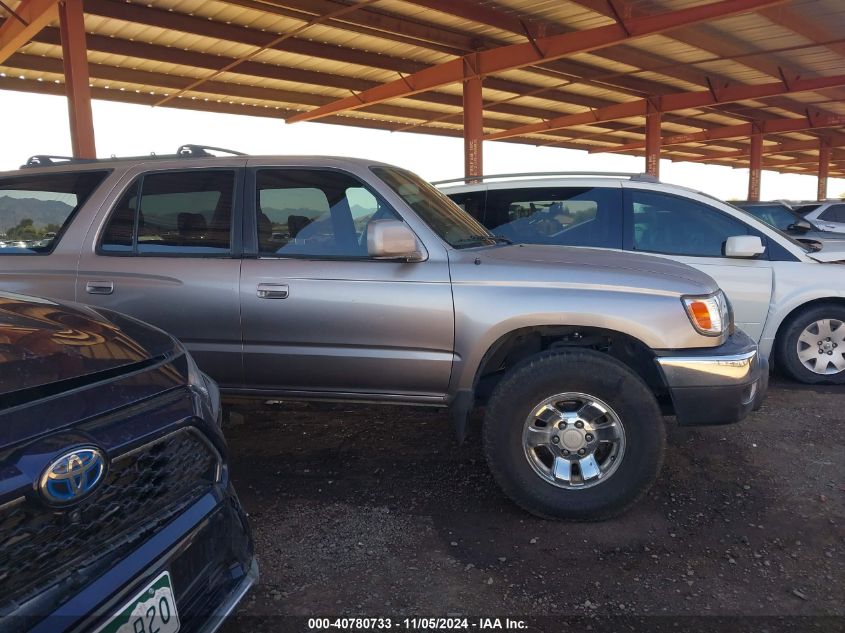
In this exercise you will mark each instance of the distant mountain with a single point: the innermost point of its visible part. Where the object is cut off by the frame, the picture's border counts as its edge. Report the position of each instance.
(41, 212)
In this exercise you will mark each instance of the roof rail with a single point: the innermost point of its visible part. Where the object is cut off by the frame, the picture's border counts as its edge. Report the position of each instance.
(602, 174)
(197, 151)
(46, 160)
(184, 151)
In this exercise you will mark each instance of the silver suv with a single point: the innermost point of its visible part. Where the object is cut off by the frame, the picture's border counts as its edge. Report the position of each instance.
(342, 279)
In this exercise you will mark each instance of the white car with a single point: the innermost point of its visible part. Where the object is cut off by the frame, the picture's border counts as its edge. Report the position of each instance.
(828, 216)
(786, 295)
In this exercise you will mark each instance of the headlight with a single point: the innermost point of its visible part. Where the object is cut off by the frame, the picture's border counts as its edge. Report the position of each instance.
(709, 314)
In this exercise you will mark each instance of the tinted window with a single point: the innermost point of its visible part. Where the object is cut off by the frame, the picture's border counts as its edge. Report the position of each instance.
(36, 209)
(678, 226)
(807, 208)
(834, 213)
(314, 213)
(471, 201)
(569, 216)
(453, 225)
(173, 213)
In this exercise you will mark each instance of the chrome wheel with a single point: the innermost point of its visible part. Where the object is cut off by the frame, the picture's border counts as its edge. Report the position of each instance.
(821, 347)
(573, 440)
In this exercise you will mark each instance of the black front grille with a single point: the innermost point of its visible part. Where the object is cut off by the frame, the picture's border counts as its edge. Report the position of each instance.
(41, 547)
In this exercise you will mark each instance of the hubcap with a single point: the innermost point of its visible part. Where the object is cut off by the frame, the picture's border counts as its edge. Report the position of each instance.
(573, 440)
(821, 347)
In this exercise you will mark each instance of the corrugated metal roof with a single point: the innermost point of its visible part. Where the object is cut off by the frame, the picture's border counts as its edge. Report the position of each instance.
(145, 51)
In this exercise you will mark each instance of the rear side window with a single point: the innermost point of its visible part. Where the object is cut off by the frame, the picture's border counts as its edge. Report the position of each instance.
(568, 216)
(36, 209)
(173, 213)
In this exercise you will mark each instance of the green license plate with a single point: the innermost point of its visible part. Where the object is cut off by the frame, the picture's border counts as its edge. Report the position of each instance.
(153, 610)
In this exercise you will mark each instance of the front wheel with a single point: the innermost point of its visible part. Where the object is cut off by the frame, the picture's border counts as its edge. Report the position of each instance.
(573, 435)
(811, 347)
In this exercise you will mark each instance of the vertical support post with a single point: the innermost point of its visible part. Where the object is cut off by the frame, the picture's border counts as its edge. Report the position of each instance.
(755, 163)
(652, 140)
(473, 127)
(75, 59)
(824, 168)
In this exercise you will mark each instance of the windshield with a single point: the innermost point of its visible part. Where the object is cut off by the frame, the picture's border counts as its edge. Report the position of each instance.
(454, 225)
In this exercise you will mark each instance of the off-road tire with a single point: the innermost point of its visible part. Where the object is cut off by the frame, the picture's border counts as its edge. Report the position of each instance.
(544, 375)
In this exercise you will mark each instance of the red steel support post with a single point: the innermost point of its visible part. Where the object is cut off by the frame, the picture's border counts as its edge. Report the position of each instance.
(473, 127)
(74, 56)
(755, 163)
(824, 168)
(652, 141)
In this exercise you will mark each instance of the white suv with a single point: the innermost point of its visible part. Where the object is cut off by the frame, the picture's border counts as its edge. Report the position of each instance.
(786, 295)
(828, 216)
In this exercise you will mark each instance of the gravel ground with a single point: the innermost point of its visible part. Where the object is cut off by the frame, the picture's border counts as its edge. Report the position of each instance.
(377, 512)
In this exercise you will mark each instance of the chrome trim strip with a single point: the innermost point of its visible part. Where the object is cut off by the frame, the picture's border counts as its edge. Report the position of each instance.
(704, 371)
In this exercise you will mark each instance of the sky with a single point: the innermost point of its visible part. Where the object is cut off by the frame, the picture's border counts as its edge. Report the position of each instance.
(38, 124)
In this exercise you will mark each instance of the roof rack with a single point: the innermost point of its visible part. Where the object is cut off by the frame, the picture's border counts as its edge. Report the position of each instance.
(185, 151)
(198, 151)
(642, 177)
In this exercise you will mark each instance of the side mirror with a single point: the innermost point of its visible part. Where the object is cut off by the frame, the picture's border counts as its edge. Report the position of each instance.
(392, 239)
(744, 246)
(801, 226)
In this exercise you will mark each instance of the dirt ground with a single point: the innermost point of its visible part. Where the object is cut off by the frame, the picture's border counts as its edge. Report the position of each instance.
(377, 512)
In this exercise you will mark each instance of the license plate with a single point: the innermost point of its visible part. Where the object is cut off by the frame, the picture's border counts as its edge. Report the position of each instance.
(153, 610)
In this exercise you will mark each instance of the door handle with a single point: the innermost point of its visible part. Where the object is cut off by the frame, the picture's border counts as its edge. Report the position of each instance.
(99, 287)
(272, 291)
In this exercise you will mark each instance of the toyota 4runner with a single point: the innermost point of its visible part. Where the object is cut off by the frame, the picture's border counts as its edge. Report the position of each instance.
(343, 279)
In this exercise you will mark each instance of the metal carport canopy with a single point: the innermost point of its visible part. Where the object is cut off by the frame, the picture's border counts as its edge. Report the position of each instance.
(723, 81)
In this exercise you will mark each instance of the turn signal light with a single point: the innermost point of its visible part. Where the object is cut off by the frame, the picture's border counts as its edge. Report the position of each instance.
(709, 314)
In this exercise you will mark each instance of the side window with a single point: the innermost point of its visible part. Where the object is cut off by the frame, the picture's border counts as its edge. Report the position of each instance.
(36, 209)
(568, 216)
(314, 213)
(834, 213)
(173, 213)
(676, 226)
(472, 202)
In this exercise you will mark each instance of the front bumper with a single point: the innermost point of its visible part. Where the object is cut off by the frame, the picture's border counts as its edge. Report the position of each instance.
(719, 385)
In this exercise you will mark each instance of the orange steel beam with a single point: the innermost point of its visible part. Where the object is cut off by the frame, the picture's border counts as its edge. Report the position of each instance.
(676, 101)
(260, 49)
(779, 148)
(530, 53)
(755, 162)
(770, 126)
(75, 59)
(824, 169)
(473, 127)
(30, 17)
(652, 141)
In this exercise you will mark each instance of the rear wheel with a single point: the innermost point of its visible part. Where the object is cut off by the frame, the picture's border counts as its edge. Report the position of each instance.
(573, 435)
(811, 347)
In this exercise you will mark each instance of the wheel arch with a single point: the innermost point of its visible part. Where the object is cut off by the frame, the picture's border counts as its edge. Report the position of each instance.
(520, 343)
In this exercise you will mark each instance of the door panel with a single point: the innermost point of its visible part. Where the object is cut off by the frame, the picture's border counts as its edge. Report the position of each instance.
(319, 315)
(170, 257)
(343, 326)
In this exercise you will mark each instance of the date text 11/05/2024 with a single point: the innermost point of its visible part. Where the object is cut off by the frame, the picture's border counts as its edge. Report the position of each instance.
(416, 624)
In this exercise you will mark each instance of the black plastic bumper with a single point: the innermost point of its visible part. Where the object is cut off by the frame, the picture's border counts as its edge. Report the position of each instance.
(717, 385)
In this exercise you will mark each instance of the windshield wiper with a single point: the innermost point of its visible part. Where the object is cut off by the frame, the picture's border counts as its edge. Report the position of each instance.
(481, 238)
